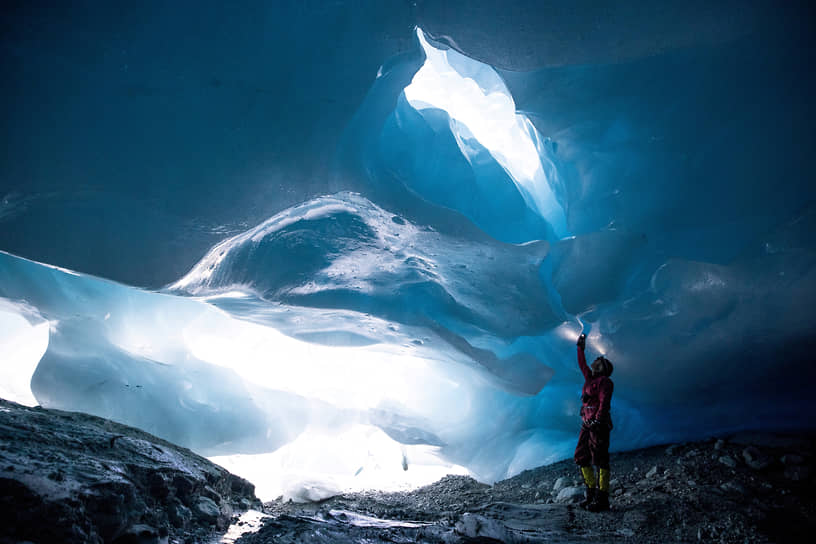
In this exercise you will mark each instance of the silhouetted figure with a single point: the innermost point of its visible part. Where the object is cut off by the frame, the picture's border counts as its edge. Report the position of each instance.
(593, 442)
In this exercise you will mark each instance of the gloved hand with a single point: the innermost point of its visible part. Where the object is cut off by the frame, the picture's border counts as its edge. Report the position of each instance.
(595, 424)
(582, 342)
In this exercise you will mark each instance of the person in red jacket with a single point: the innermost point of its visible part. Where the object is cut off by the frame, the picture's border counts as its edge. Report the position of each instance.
(593, 441)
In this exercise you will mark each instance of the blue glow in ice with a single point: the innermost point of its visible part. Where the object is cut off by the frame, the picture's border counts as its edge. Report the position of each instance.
(410, 307)
(481, 108)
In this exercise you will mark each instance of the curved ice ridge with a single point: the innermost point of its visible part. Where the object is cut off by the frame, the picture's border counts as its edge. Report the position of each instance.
(310, 351)
(343, 251)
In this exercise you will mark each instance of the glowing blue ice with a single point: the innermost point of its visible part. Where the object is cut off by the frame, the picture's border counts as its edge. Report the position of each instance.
(481, 109)
(425, 322)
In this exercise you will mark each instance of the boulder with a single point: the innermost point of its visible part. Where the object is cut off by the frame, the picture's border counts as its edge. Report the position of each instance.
(77, 478)
(179, 515)
(755, 459)
(570, 495)
(728, 461)
(480, 528)
(206, 509)
(733, 487)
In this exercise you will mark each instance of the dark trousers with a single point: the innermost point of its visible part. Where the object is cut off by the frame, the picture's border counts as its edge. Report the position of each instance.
(593, 447)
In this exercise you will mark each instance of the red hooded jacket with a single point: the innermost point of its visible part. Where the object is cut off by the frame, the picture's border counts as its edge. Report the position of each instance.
(596, 394)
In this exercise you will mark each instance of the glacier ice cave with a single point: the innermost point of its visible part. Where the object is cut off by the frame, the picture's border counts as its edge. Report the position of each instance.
(347, 245)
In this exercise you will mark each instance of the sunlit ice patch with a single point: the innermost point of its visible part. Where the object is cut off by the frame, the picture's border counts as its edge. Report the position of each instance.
(474, 96)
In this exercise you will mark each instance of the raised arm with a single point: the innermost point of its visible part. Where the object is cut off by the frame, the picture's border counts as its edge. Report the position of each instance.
(582, 358)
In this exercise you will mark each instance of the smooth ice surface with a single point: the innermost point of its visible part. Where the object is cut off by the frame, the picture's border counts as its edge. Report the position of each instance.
(480, 107)
(22, 345)
(338, 414)
(404, 288)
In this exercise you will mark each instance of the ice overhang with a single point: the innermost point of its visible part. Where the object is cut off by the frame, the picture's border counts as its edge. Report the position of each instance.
(482, 108)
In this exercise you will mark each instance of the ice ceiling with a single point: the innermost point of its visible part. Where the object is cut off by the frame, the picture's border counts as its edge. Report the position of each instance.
(482, 111)
(413, 312)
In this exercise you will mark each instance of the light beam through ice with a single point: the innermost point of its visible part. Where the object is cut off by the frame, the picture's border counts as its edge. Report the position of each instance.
(474, 96)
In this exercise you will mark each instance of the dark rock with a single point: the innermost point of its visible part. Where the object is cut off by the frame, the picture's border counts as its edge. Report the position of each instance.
(792, 459)
(79, 478)
(185, 500)
(733, 487)
(225, 515)
(570, 494)
(671, 450)
(206, 509)
(185, 486)
(178, 514)
(755, 459)
(139, 534)
(797, 473)
(210, 493)
(728, 461)
(157, 485)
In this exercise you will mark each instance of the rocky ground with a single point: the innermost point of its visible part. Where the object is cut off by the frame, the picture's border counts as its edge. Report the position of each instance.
(745, 488)
(69, 477)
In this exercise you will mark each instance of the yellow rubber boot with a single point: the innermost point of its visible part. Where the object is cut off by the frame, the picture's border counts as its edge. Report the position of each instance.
(589, 479)
(603, 477)
(601, 502)
(589, 476)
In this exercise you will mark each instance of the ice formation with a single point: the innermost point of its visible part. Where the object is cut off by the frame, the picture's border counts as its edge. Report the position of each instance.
(425, 322)
(482, 118)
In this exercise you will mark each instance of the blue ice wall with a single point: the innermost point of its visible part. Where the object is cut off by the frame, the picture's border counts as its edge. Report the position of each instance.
(438, 301)
(672, 200)
(207, 124)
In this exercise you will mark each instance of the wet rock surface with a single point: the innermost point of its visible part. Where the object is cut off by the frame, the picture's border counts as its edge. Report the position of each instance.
(71, 477)
(670, 493)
